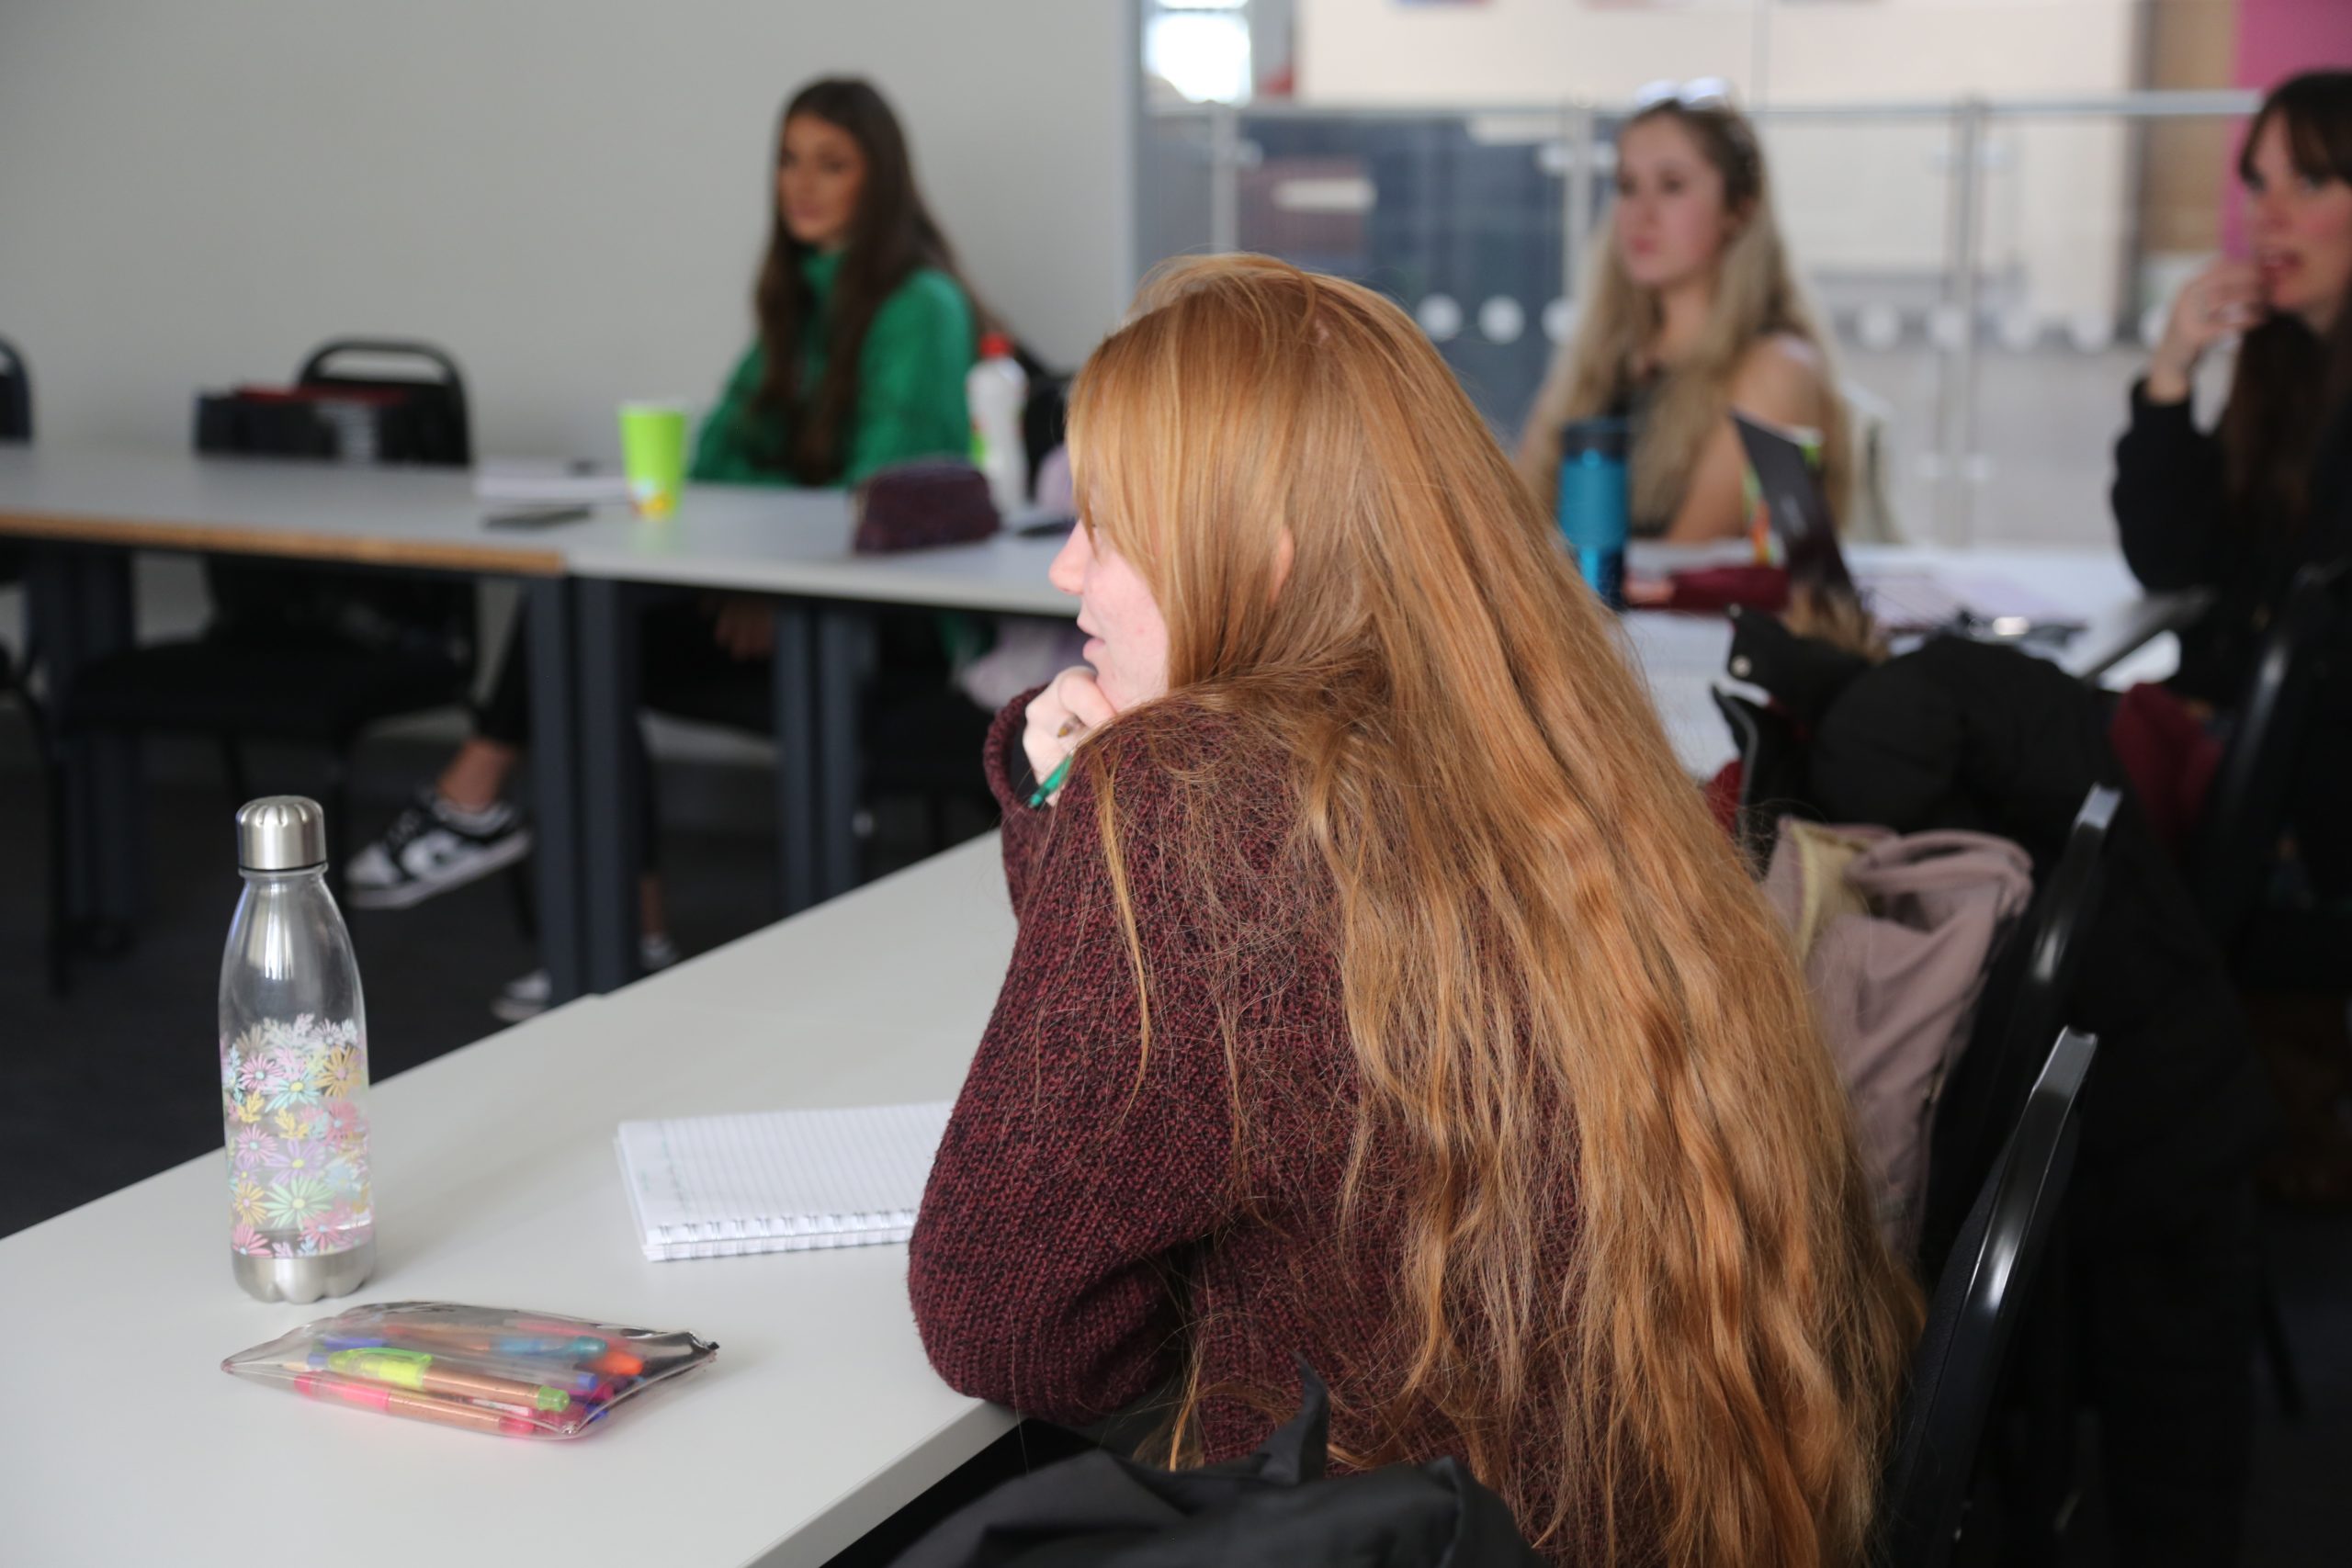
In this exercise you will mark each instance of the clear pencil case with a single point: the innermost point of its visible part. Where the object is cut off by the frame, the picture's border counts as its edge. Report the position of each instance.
(522, 1374)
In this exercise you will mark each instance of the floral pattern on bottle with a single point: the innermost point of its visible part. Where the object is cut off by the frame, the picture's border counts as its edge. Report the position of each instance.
(295, 1137)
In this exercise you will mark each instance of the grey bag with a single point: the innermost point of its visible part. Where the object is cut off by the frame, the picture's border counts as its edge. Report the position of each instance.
(1895, 934)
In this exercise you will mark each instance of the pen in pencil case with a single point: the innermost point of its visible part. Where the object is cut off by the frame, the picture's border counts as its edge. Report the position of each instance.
(525, 1336)
(596, 1354)
(429, 1374)
(416, 1407)
(523, 1369)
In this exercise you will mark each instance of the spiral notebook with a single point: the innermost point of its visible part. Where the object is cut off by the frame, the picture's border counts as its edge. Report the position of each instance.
(778, 1180)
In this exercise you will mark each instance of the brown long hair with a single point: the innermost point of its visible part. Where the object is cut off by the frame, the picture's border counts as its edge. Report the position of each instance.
(1755, 297)
(1639, 1276)
(893, 235)
(2288, 379)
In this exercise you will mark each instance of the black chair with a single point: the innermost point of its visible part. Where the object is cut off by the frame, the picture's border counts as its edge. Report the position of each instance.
(1771, 773)
(15, 394)
(1956, 1371)
(2027, 999)
(2235, 854)
(297, 654)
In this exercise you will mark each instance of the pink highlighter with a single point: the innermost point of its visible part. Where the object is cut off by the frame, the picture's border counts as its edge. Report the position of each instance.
(416, 1407)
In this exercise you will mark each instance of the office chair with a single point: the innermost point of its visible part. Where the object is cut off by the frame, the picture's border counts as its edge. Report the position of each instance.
(1956, 1371)
(294, 653)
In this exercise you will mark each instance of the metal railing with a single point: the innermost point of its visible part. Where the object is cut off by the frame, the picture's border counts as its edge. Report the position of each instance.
(1412, 213)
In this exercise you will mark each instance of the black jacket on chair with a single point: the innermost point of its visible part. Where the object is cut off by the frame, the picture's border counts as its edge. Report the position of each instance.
(1958, 734)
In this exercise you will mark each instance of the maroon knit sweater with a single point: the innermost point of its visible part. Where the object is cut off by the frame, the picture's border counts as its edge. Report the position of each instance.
(1088, 1212)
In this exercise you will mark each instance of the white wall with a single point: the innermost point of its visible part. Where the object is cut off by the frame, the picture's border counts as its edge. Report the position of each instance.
(569, 195)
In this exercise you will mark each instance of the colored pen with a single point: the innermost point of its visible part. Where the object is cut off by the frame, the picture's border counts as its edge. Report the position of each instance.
(1052, 781)
(617, 1355)
(491, 1341)
(523, 1369)
(423, 1373)
(416, 1407)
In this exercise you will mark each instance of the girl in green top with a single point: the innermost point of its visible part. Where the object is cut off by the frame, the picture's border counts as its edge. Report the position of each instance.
(866, 331)
(865, 335)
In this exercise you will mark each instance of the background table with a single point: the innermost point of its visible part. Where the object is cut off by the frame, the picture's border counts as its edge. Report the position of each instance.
(86, 509)
(497, 1184)
(585, 581)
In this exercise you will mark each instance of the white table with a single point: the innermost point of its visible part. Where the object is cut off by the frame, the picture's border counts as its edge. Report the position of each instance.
(92, 506)
(791, 546)
(123, 1443)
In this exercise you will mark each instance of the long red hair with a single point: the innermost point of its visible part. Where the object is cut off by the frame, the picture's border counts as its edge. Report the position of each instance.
(1543, 942)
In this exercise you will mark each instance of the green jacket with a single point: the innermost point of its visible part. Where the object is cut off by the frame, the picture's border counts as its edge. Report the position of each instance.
(909, 387)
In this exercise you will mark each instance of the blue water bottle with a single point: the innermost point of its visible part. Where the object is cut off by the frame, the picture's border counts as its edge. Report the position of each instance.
(1593, 517)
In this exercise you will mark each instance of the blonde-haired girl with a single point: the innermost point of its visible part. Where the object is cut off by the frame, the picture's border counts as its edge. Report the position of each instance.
(1693, 312)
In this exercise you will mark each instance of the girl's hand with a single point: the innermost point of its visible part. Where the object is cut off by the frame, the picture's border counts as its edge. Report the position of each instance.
(2224, 300)
(1060, 716)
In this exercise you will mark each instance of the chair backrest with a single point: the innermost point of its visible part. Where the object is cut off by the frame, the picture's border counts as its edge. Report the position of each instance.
(432, 426)
(1771, 772)
(1980, 1102)
(1869, 517)
(15, 394)
(1974, 1310)
(2246, 813)
(428, 424)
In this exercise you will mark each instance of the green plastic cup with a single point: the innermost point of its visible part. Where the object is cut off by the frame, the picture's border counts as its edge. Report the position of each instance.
(654, 455)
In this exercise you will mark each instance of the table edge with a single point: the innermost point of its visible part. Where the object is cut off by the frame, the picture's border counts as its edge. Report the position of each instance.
(218, 538)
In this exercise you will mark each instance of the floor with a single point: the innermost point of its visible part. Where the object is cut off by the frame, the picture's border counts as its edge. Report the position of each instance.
(118, 1081)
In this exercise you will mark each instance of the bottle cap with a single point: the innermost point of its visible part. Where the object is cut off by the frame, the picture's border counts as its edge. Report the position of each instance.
(281, 832)
(996, 345)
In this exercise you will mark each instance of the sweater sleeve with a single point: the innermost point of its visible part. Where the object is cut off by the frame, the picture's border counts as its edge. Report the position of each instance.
(1006, 767)
(723, 450)
(2169, 496)
(1080, 1172)
(911, 378)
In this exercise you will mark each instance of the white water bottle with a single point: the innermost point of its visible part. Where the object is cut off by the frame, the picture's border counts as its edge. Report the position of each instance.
(997, 390)
(293, 1067)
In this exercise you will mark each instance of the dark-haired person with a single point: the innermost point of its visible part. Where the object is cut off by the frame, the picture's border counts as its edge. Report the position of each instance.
(2269, 490)
(866, 334)
(2240, 510)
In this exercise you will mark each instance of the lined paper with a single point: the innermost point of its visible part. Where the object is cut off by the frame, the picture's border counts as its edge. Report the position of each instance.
(778, 1180)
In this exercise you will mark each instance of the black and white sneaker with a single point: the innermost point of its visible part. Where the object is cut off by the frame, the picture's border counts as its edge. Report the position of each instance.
(527, 995)
(432, 847)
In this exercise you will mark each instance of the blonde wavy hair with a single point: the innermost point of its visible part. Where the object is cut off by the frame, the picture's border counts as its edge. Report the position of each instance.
(1757, 296)
(1552, 963)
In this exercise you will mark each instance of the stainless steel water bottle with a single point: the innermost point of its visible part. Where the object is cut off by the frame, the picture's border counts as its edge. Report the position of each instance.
(293, 1067)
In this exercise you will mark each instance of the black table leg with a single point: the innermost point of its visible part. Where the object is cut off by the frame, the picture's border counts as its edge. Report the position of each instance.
(79, 607)
(844, 636)
(555, 777)
(795, 693)
(118, 799)
(611, 855)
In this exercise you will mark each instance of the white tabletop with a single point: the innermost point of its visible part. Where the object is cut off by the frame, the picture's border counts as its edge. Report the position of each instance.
(122, 1442)
(294, 507)
(797, 542)
(745, 537)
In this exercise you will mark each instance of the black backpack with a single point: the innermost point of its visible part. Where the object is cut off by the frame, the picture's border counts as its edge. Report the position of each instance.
(1274, 1509)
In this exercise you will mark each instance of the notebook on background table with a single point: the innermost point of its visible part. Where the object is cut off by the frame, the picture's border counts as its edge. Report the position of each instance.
(778, 1180)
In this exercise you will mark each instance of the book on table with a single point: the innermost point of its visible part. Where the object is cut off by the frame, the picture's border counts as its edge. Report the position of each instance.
(778, 1180)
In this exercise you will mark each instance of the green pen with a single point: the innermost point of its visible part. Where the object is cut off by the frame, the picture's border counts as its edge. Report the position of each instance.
(1052, 781)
